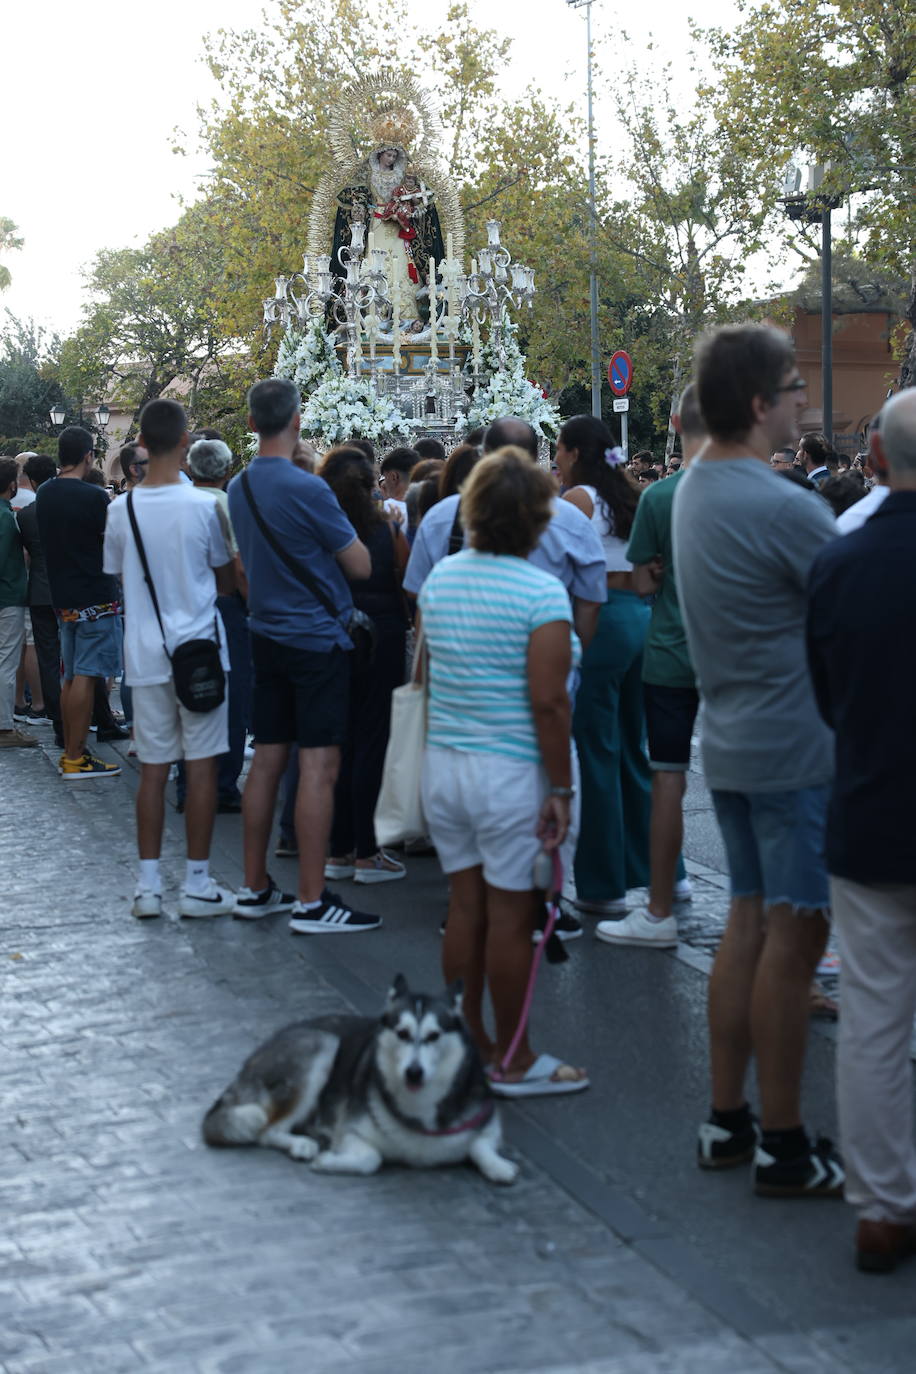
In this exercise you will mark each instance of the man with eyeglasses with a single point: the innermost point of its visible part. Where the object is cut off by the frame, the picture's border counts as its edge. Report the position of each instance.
(744, 542)
(133, 459)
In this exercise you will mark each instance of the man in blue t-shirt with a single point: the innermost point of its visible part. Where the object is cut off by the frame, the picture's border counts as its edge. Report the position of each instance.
(298, 550)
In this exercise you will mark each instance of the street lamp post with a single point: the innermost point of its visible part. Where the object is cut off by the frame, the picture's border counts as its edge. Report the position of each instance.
(58, 415)
(814, 207)
(827, 324)
(592, 219)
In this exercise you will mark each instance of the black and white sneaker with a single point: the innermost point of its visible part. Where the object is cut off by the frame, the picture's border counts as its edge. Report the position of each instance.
(331, 917)
(718, 1148)
(816, 1173)
(251, 906)
(566, 928)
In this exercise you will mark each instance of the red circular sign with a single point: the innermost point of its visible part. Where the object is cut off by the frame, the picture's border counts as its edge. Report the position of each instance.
(620, 373)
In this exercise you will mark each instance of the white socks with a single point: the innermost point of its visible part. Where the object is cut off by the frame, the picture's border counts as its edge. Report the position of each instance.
(148, 879)
(197, 877)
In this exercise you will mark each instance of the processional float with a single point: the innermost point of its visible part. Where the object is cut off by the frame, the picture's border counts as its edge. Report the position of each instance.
(383, 279)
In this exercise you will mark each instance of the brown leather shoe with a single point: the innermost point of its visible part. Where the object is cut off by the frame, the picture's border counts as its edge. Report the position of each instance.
(881, 1245)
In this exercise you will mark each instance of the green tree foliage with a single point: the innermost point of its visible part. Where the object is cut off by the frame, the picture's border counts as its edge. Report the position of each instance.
(518, 162)
(154, 322)
(9, 243)
(28, 382)
(834, 81)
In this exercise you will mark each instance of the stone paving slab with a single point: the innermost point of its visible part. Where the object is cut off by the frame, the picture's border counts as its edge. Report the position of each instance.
(128, 1245)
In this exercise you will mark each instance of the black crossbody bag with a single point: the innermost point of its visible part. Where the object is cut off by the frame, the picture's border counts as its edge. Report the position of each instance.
(360, 627)
(200, 682)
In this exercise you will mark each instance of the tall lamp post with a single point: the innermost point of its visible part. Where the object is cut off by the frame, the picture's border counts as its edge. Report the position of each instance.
(813, 207)
(592, 219)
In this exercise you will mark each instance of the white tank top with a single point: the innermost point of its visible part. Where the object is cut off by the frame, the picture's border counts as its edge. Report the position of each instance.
(614, 549)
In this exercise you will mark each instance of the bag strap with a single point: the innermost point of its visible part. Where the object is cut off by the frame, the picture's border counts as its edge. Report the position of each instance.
(146, 572)
(420, 662)
(295, 567)
(456, 538)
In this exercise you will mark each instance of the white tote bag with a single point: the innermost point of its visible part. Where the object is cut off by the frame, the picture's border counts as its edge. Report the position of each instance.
(399, 810)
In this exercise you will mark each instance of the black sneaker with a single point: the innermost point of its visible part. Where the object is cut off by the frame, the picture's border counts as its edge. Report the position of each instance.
(251, 906)
(287, 847)
(816, 1173)
(107, 734)
(566, 928)
(718, 1148)
(332, 917)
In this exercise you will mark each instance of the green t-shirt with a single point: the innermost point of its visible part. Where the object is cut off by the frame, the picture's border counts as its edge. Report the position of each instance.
(13, 576)
(666, 660)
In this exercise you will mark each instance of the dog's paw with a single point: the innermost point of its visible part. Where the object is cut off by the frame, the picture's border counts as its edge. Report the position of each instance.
(303, 1147)
(500, 1170)
(356, 1160)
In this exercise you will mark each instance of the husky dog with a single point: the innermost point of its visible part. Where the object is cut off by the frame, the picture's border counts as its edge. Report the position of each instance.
(349, 1093)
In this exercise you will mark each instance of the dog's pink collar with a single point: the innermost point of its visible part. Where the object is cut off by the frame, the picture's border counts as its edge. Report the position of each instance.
(481, 1119)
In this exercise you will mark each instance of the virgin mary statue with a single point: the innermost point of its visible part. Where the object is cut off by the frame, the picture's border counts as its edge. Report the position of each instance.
(394, 204)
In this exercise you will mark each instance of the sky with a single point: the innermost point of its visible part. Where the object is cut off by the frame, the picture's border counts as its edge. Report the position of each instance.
(87, 162)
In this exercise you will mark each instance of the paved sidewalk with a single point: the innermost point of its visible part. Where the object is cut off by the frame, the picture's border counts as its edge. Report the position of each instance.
(127, 1245)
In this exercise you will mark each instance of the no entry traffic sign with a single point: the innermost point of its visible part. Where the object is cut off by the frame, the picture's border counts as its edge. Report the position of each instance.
(620, 373)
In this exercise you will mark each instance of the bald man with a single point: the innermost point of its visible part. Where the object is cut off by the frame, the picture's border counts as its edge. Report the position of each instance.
(862, 653)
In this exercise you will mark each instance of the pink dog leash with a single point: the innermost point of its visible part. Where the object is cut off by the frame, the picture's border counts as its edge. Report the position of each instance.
(552, 881)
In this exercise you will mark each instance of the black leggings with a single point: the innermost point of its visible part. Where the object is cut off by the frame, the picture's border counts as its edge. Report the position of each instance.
(363, 755)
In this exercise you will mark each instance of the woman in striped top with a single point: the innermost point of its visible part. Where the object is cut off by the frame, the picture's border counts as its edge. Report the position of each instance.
(497, 782)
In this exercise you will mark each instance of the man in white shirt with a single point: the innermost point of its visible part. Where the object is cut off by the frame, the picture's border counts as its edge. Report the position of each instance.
(185, 544)
(855, 516)
(395, 469)
(25, 493)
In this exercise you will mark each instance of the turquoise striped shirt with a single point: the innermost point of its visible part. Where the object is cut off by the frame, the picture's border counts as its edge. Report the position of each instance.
(479, 611)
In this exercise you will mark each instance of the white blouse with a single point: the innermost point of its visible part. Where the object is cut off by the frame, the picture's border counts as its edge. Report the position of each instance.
(614, 549)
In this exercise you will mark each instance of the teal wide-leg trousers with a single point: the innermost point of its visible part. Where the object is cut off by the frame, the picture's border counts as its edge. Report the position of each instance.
(609, 728)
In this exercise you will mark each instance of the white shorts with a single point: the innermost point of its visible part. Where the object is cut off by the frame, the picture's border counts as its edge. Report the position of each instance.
(483, 809)
(165, 731)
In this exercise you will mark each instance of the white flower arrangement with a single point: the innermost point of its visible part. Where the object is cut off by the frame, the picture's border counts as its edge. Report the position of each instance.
(307, 356)
(508, 392)
(335, 407)
(344, 407)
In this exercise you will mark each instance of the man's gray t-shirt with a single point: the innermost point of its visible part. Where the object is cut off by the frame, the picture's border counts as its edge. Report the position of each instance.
(744, 541)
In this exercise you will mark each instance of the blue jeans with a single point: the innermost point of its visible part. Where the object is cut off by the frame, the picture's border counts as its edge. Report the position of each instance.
(774, 844)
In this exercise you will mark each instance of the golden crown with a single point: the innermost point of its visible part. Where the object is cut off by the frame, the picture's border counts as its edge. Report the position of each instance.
(396, 127)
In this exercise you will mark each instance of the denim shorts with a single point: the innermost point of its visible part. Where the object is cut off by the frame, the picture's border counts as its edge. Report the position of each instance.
(774, 844)
(91, 648)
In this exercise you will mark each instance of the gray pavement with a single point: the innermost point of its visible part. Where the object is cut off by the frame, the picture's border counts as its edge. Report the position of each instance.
(127, 1245)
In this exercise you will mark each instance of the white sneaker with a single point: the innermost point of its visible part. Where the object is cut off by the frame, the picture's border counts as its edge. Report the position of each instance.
(146, 904)
(683, 890)
(216, 901)
(638, 928)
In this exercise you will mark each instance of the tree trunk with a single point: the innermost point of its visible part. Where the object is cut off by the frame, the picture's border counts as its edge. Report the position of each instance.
(908, 366)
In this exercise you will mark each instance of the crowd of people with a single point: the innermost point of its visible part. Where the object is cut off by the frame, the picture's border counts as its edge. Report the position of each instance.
(568, 626)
